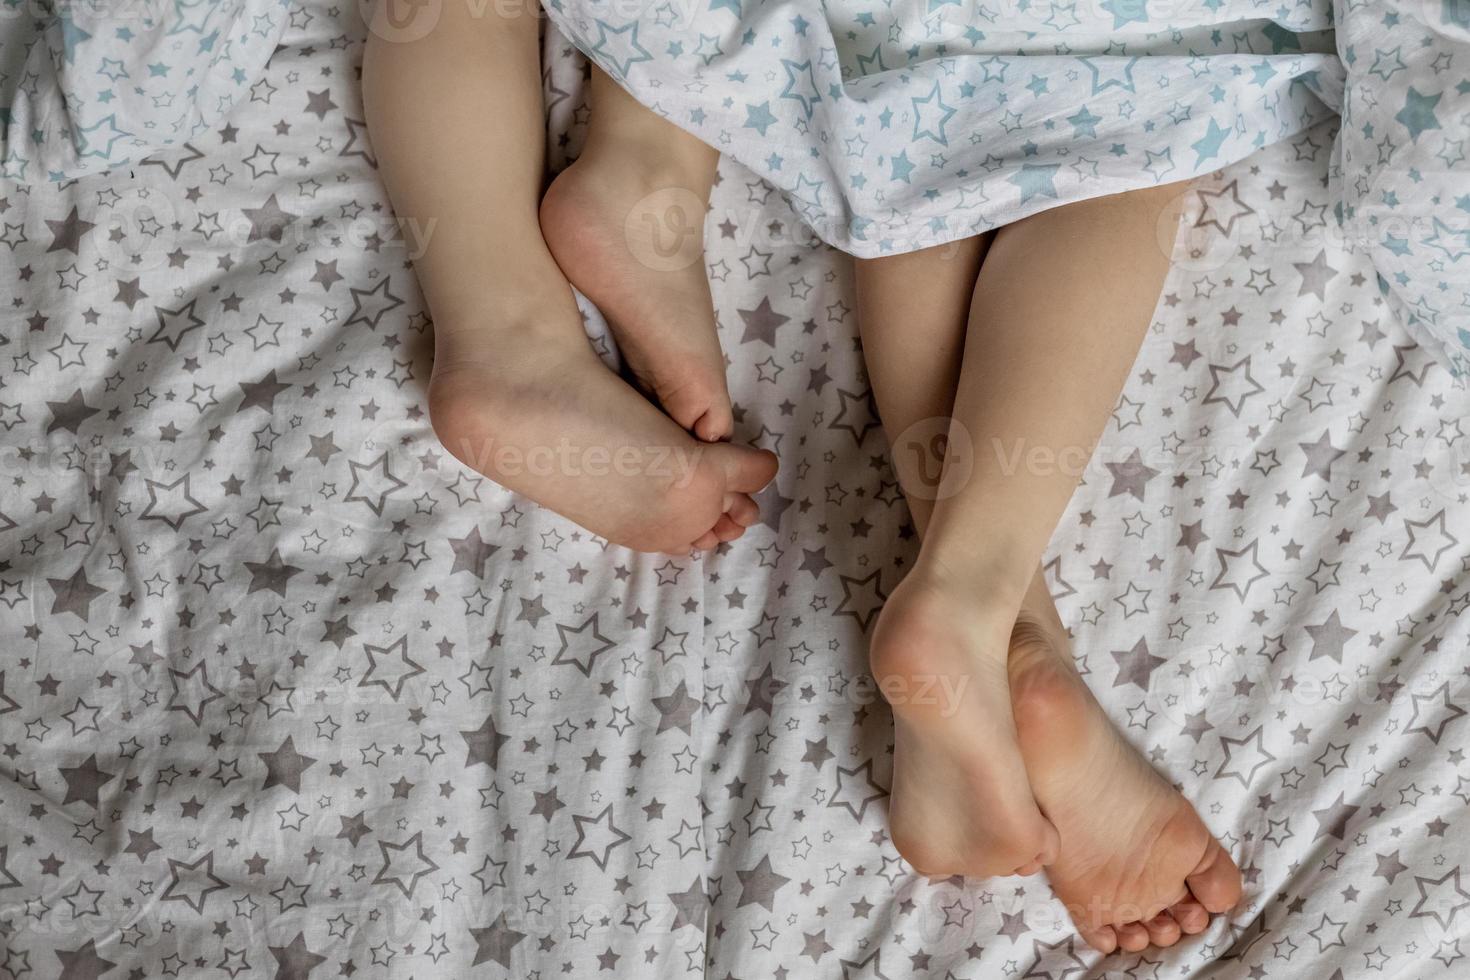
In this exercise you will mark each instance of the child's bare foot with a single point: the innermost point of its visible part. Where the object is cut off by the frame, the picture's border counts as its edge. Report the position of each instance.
(961, 803)
(1137, 866)
(632, 240)
(538, 412)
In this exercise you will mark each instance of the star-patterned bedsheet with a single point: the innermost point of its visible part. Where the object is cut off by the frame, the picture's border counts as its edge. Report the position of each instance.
(287, 692)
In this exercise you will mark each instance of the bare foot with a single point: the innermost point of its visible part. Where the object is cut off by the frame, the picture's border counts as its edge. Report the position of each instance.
(961, 803)
(1137, 866)
(538, 412)
(633, 243)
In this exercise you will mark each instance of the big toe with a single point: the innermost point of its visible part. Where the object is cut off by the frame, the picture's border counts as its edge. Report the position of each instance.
(717, 422)
(746, 470)
(700, 405)
(1215, 881)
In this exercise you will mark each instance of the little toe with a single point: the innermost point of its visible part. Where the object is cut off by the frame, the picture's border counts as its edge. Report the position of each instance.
(1162, 930)
(1028, 869)
(1191, 916)
(1215, 881)
(1132, 936)
(706, 541)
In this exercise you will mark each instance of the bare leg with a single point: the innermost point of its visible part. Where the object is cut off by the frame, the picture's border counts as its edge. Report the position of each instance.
(517, 391)
(960, 801)
(1054, 711)
(626, 224)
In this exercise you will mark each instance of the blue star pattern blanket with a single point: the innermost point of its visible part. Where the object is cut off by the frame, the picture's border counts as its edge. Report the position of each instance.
(892, 125)
(1405, 193)
(87, 85)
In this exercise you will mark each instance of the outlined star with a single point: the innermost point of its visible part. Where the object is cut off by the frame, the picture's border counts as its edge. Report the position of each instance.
(597, 837)
(581, 645)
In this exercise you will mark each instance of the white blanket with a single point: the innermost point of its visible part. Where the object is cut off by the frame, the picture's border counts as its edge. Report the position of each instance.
(287, 692)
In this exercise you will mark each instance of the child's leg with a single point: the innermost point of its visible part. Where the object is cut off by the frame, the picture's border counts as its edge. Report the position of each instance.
(1073, 754)
(517, 391)
(626, 224)
(960, 800)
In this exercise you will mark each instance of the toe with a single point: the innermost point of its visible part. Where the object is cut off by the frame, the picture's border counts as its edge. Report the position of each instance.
(1028, 869)
(1215, 882)
(705, 541)
(1132, 936)
(1052, 845)
(716, 424)
(726, 529)
(741, 509)
(1162, 930)
(1103, 939)
(746, 470)
(1191, 916)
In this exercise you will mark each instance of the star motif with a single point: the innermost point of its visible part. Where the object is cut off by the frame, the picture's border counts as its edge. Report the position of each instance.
(269, 221)
(294, 961)
(471, 552)
(1136, 666)
(759, 885)
(761, 323)
(495, 942)
(85, 781)
(483, 744)
(285, 766)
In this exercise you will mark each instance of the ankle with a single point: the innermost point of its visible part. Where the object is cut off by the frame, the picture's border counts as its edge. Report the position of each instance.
(987, 581)
(643, 163)
(536, 319)
(937, 622)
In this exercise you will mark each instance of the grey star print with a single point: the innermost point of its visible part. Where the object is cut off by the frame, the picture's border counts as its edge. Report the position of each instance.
(286, 691)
